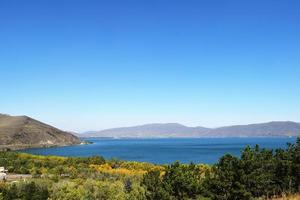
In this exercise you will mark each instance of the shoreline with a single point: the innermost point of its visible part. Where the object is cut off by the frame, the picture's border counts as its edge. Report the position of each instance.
(35, 146)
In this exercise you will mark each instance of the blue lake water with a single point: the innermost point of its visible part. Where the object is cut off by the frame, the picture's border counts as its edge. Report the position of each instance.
(162, 151)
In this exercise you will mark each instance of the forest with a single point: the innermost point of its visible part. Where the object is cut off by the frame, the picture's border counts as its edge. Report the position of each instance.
(257, 174)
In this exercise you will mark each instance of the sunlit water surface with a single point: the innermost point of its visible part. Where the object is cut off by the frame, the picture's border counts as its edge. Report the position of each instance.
(161, 151)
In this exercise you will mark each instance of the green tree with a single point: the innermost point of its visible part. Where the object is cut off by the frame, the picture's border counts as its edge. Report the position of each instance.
(183, 181)
(154, 186)
(226, 184)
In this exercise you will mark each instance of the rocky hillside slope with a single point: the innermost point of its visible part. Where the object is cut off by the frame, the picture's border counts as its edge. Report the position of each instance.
(18, 132)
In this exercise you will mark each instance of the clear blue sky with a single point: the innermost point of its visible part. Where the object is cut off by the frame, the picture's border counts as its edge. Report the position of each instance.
(88, 65)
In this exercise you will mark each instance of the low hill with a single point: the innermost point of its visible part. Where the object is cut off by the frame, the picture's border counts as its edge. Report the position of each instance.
(150, 130)
(18, 132)
(265, 129)
(275, 129)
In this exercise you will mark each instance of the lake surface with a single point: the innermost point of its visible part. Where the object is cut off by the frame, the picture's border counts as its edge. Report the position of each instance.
(162, 151)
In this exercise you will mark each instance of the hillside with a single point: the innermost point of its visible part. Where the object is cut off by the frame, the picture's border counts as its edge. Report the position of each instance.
(150, 130)
(264, 129)
(271, 129)
(17, 132)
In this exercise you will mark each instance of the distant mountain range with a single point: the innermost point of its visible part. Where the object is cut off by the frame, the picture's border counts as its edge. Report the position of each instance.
(19, 132)
(271, 129)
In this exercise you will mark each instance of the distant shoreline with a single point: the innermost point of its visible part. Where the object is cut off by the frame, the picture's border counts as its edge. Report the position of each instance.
(85, 141)
(29, 146)
(120, 138)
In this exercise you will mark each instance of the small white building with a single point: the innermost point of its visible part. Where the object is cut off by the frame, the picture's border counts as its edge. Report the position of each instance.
(2, 173)
(3, 170)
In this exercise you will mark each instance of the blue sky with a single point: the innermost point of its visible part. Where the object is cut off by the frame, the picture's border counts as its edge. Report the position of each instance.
(89, 65)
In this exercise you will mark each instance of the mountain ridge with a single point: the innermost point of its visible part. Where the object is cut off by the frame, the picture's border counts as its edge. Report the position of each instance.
(161, 130)
(19, 132)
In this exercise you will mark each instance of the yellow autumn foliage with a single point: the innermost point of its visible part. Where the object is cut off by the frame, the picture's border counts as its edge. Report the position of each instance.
(127, 168)
(106, 168)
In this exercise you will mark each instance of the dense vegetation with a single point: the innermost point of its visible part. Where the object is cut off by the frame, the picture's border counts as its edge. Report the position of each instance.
(258, 173)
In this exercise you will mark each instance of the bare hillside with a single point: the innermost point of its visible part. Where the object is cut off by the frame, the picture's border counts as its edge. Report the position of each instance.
(18, 132)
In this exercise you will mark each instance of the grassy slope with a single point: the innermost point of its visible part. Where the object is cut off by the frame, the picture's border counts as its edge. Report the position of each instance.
(293, 197)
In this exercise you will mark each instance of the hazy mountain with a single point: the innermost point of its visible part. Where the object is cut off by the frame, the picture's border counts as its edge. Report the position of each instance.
(150, 130)
(178, 130)
(17, 132)
(265, 129)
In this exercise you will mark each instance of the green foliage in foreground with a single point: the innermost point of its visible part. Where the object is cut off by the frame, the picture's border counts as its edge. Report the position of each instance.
(258, 173)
